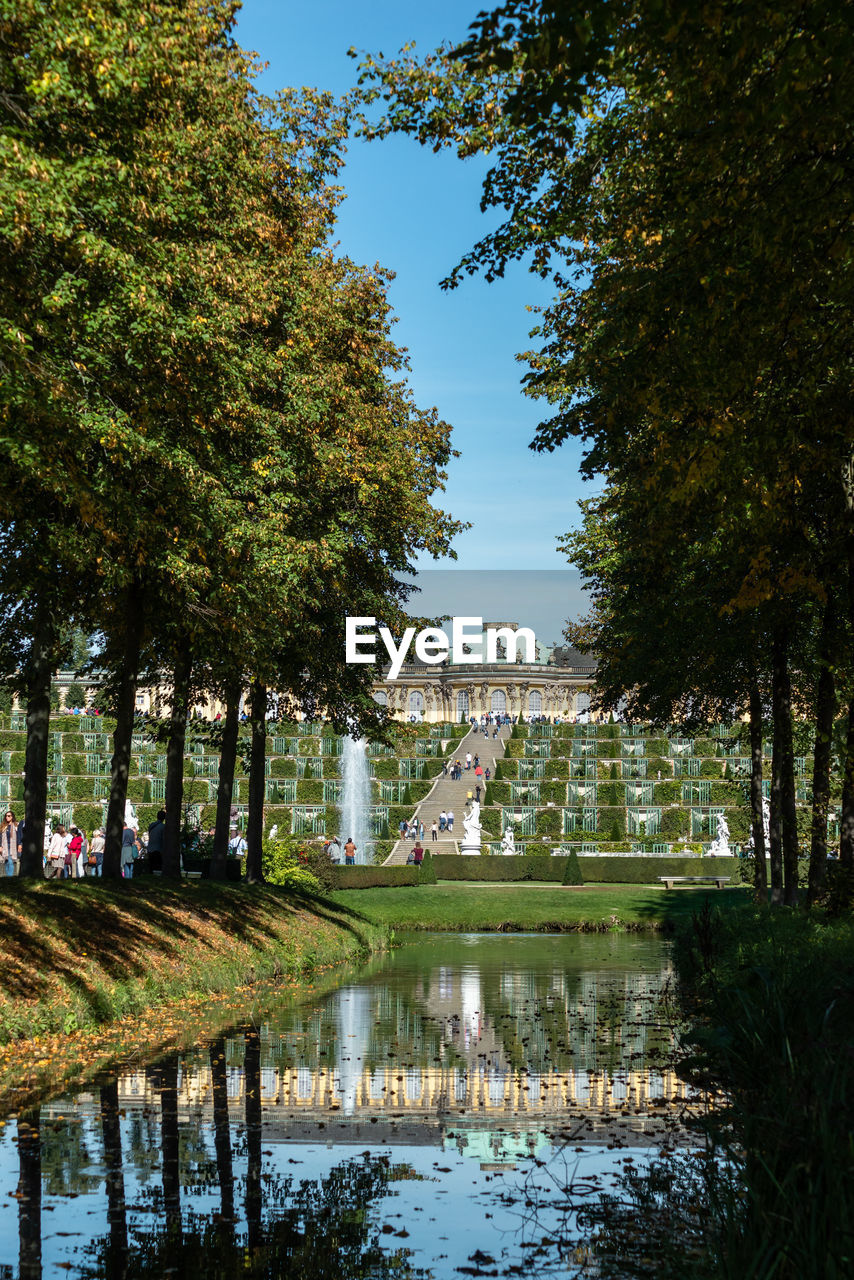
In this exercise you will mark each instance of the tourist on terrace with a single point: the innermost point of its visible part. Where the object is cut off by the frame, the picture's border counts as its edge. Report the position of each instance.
(97, 851)
(350, 853)
(418, 854)
(9, 835)
(450, 819)
(128, 852)
(434, 830)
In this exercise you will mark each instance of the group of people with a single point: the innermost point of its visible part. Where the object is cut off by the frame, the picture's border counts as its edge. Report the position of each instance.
(332, 846)
(69, 853)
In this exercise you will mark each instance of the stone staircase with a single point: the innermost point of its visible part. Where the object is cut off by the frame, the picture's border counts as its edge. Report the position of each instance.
(447, 794)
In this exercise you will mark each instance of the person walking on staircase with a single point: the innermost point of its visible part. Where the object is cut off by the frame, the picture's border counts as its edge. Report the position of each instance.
(434, 830)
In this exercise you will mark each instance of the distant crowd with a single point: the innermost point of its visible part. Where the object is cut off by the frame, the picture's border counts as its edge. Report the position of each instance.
(72, 854)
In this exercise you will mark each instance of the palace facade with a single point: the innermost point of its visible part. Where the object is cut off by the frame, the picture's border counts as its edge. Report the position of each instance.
(559, 683)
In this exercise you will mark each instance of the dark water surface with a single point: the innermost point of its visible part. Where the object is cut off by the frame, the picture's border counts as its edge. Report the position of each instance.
(443, 1112)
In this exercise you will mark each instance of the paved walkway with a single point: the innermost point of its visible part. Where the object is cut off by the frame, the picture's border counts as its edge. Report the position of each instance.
(447, 794)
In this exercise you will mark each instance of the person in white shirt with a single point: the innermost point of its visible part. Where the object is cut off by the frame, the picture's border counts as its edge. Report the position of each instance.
(450, 819)
(55, 864)
(236, 845)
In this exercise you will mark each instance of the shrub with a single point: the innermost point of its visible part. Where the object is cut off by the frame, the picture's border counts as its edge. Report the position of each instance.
(499, 771)
(499, 793)
(285, 862)
(608, 750)
(640, 869)
(549, 822)
(376, 877)
(668, 792)
(521, 867)
(276, 816)
(386, 767)
(490, 820)
(87, 817)
(705, 747)
(308, 747)
(78, 788)
(283, 767)
(12, 741)
(572, 874)
(711, 768)
(657, 747)
(675, 823)
(557, 768)
(659, 765)
(310, 791)
(428, 870)
(73, 742)
(611, 820)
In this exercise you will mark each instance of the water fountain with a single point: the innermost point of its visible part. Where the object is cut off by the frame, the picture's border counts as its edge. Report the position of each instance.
(356, 798)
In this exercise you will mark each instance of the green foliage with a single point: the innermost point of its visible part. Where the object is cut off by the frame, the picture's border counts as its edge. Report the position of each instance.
(407, 795)
(668, 792)
(572, 874)
(283, 767)
(705, 747)
(78, 788)
(490, 820)
(284, 864)
(757, 988)
(428, 869)
(607, 750)
(615, 770)
(711, 768)
(539, 866)
(638, 869)
(386, 767)
(549, 822)
(659, 765)
(500, 767)
(612, 821)
(12, 740)
(657, 747)
(310, 791)
(73, 742)
(275, 816)
(675, 823)
(88, 817)
(377, 877)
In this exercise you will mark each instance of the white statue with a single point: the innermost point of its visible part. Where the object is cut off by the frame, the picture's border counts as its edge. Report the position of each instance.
(131, 819)
(471, 829)
(720, 845)
(508, 843)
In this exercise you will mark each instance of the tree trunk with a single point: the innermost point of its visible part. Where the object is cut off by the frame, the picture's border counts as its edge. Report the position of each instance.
(775, 823)
(117, 1249)
(757, 816)
(252, 1078)
(783, 729)
(39, 670)
(846, 821)
(29, 1196)
(225, 789)
(257, 780)
(169, 1138)
(122, 741)
(825, 713)
(222, 1133)
(174, 804)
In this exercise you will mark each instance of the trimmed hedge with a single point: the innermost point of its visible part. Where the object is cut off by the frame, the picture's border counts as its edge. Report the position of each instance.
(379, 877)
(536, 866)
(283, 767)
(643, 870)
(12, 740)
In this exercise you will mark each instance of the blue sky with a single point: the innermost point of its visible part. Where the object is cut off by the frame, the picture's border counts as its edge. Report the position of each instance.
(416, 213)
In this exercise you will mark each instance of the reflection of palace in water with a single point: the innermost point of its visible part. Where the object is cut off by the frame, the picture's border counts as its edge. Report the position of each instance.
(483, 1050)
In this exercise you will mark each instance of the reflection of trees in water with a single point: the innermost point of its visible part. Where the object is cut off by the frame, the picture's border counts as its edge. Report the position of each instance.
(65, 1158)
(316, 1230)
(29, 1195)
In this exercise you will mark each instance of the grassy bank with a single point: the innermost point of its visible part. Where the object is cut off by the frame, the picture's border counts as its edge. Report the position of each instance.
(526, 907)
(77, 956)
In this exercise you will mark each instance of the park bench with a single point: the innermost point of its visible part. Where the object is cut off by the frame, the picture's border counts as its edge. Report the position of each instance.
(670, 881)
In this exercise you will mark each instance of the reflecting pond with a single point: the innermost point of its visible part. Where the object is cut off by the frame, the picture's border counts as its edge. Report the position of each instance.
(443, 1111)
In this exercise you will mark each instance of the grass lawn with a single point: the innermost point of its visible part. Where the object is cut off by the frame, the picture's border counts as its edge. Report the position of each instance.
(474, 906)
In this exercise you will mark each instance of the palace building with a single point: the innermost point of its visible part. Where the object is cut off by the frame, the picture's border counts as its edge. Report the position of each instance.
(556, 684)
